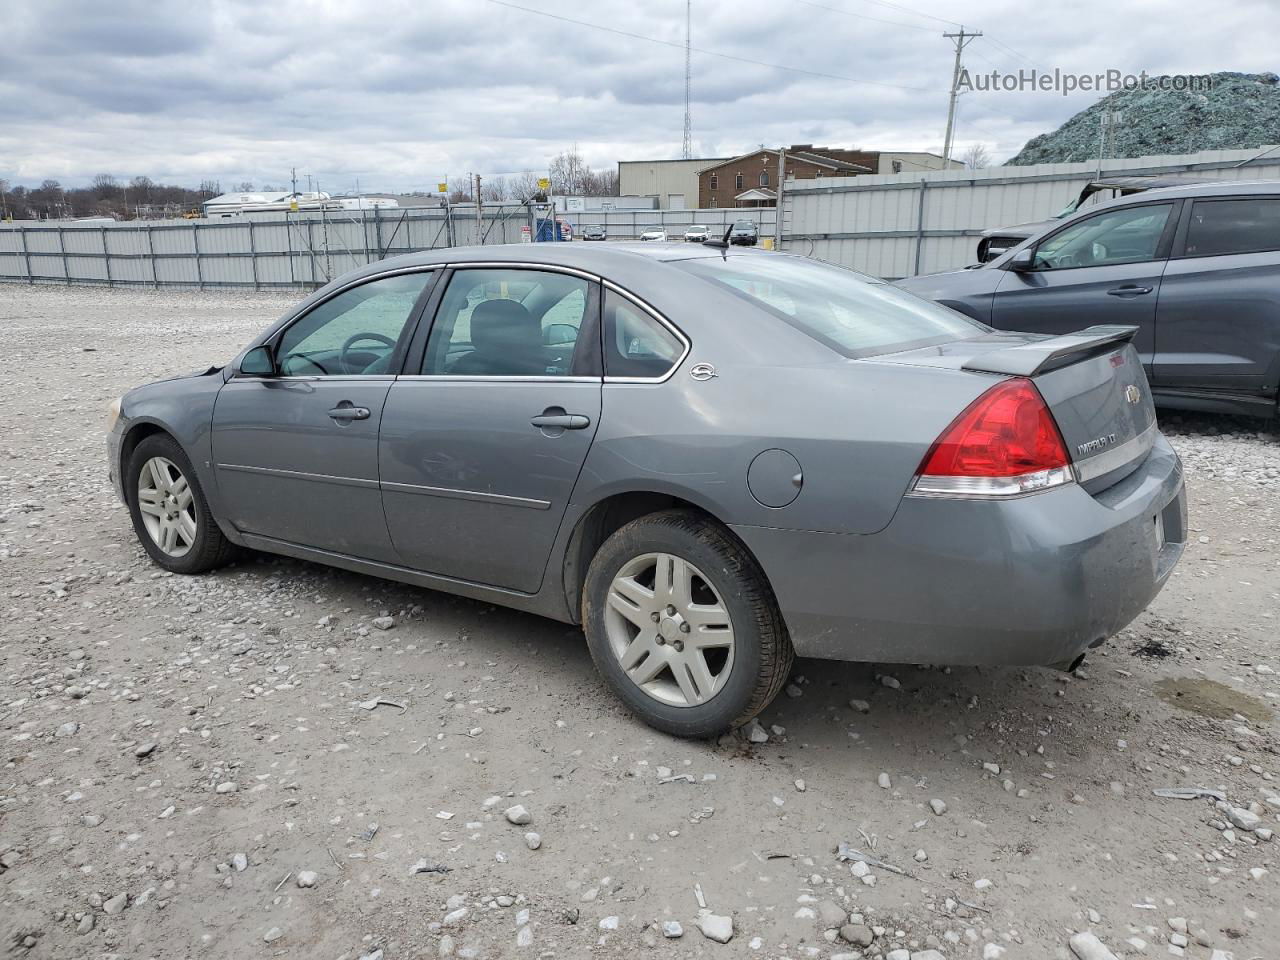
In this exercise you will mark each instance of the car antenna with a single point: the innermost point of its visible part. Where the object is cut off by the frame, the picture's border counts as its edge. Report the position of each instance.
(723, 242)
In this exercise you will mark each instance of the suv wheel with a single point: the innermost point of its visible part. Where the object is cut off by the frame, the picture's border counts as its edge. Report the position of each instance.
(682, 624)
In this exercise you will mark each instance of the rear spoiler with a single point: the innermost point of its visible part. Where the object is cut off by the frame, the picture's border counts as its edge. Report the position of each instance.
(1028, 359)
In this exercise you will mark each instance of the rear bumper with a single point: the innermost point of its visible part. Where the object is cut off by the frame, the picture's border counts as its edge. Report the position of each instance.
(1033, 580)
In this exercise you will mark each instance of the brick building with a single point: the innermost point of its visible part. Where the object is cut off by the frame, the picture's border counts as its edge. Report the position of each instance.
(751, 180)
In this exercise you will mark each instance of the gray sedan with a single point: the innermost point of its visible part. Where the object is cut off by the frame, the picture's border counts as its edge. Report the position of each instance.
(712, 459)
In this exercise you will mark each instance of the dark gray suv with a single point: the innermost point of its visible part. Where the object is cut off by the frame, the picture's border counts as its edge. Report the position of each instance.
(1196, 269)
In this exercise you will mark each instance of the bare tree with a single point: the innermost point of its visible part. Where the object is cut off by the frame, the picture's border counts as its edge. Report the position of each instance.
(977, 157)
(245, 186)
(522, 186)
(104, 185)
(495, 189)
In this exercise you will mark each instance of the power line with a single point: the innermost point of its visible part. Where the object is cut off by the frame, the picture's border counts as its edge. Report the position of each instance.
(863, 16)
(1009, 49)
(710, 53)
(928, 16)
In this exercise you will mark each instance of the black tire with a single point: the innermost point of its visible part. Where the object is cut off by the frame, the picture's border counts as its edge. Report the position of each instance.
(762, 651)
(210, 548)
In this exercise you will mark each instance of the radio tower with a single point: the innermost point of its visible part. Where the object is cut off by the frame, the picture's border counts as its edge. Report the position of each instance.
(688, 79)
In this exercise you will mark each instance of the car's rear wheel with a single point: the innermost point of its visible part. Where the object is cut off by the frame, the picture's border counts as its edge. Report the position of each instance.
(170, 514)
(683, 625)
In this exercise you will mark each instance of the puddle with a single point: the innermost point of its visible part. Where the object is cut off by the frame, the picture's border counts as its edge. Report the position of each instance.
(1211, 699)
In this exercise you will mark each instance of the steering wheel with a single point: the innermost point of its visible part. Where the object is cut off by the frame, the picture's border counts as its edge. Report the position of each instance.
(356, 338)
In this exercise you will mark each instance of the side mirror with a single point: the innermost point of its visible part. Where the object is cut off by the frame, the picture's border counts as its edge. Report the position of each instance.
(1023, 260)
(258, 362)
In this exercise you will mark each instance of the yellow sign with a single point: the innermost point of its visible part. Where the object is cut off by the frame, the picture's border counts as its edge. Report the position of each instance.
(544, 183)
(442, 187)
(293, 205)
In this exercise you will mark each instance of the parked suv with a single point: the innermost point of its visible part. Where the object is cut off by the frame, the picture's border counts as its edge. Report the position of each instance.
(1196, 269)
(743, 233)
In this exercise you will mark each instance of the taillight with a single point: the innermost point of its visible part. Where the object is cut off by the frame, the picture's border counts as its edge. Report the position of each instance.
(1005, 443)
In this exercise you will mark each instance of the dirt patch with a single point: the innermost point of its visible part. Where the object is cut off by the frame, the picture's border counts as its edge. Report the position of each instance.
(1208, 698)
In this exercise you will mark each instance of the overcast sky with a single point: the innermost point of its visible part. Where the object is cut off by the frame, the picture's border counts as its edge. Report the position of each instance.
(399, 94)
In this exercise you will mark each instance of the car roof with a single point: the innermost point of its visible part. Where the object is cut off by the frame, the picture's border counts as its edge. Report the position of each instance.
(604, 260)
(1215, 188)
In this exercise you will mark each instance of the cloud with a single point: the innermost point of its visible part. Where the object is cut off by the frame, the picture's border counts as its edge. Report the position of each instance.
(399, 94)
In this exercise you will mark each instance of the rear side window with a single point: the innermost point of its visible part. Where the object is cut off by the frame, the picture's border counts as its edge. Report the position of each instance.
(849, 312)
(636, 344)
(1220, 227)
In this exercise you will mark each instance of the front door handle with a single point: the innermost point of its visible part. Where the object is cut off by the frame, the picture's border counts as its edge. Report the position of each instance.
(344, 412)
(562, 421)
(1128, 290)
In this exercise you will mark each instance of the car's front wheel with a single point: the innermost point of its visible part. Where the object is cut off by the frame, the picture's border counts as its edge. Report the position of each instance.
(681, 622)
(170, 514)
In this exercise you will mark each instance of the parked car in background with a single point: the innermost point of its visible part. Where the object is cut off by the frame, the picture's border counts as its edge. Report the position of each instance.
(697, 234)
(654, 233)
(743, 233)
(574, 431)
(999, 240)
(1194, 269)
(594, 231)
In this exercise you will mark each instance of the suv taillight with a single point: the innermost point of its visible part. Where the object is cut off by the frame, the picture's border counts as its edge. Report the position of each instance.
(1005, 443)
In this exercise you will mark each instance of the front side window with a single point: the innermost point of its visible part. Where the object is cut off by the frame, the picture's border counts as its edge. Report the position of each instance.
(1221, 227)
(510, 323)
(852, 314)
(635, 343)
(1129, 235)
(354, 333)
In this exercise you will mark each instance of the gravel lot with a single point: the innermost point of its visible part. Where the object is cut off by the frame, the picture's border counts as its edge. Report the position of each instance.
(197, 767)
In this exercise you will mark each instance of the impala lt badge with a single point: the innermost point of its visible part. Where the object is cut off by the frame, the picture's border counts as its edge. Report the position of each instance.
(1092, 446)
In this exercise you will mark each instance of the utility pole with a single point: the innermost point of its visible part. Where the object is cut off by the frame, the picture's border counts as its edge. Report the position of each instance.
(961, 40)
(479, 216)
(293, 179)
(777, 210)
(688, 79)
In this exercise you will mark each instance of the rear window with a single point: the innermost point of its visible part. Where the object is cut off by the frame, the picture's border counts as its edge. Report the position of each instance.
(851, 313)
(1220, 227)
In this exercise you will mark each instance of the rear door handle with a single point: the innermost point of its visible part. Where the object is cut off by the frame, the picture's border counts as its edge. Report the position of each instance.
(1128, 290)
(349, 413)
(565, 421)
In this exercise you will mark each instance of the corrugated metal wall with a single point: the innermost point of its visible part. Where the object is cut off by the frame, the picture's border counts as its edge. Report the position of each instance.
(899, 226)
(273, 250)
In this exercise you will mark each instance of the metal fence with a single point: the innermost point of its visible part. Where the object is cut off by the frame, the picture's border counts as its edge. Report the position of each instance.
(908, 224)
(291, 249)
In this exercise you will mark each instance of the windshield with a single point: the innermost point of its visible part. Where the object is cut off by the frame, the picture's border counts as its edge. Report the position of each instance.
(744, 224)
(851, 313)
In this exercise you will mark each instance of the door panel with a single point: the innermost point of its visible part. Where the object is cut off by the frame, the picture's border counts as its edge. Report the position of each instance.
(296, 453)
(1047, 301)
(287, 470)
(1218, 323)
(471, 488)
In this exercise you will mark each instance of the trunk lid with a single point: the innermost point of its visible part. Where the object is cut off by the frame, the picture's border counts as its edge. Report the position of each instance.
(1092, 381)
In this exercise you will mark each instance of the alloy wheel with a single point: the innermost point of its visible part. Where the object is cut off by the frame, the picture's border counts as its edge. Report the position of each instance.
(669, 629)
(167, 506)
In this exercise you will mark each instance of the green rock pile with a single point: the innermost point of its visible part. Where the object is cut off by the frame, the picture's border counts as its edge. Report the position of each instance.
(1238, 111)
